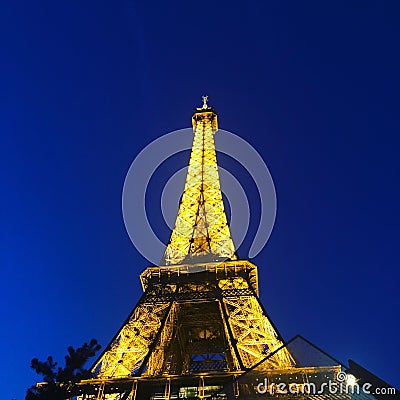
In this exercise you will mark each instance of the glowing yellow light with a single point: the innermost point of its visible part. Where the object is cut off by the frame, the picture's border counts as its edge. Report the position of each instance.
(201, 227)
(201, 239)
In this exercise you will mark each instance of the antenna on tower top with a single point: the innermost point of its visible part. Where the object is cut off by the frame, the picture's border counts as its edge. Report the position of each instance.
(205, 105)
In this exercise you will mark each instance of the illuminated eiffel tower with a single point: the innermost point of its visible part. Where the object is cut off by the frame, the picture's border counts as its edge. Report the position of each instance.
(199, 326)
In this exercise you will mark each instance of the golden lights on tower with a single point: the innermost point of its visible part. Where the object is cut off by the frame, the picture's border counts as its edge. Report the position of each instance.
(186, 321)
(201, 227)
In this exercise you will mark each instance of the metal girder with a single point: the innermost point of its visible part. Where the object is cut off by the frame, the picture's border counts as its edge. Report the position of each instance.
(254, 333)
(126, 353)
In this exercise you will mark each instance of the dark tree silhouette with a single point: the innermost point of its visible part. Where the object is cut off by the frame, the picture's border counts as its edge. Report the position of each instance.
(58, 382)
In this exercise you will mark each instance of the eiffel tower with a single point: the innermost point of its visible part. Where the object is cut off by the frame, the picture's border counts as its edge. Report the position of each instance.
(199, 325)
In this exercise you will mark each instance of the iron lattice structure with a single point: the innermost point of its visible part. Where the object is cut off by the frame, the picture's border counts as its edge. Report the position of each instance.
(199, 324)
(188, 322)
(201, 227)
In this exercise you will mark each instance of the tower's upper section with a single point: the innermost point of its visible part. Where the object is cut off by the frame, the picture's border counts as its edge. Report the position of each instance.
(201, 231)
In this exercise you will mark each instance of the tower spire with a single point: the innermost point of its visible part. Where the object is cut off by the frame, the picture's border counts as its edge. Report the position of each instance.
(205, 99)
(201, 229)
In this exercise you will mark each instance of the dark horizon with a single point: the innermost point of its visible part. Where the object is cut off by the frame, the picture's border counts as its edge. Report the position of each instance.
(313, 87)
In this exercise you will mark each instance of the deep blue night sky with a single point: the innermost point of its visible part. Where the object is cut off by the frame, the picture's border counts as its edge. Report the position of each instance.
(313, 86)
